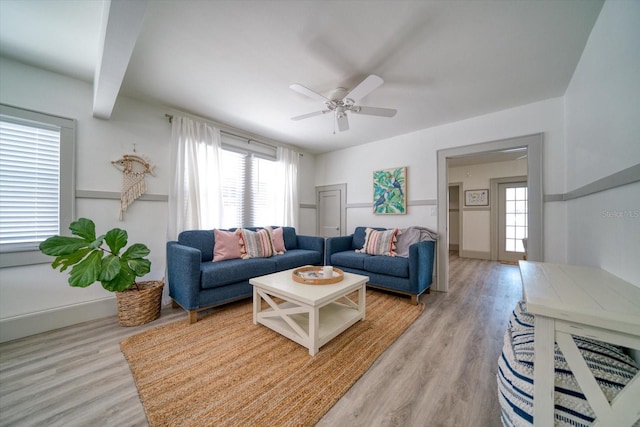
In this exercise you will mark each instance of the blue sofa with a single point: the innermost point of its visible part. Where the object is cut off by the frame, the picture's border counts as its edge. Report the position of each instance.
(197, 283)
(410, 275)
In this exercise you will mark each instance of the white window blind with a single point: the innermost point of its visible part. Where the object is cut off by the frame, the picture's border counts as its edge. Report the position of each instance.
(233, 188)
(29, 183)
(264, 182)
(249, 185)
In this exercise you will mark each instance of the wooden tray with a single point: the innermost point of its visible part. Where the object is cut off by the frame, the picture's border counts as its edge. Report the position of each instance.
(297, 275)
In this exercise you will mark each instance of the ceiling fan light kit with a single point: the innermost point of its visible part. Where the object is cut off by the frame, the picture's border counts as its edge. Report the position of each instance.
(342, 102)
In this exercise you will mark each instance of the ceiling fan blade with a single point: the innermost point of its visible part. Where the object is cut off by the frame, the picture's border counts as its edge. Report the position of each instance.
(308, 92)
(365, 87)
(306, 116)
(343, 122)
(374, 111)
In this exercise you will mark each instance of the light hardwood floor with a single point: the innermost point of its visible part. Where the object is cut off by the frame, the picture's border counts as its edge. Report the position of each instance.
(440, 372)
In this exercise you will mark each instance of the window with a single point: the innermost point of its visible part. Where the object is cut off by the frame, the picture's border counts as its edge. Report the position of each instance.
(36, 182)
(248, 189)
(516, 218)
(264, 182)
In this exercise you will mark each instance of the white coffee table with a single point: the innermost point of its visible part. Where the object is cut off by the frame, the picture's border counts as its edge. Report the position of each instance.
(311, 315)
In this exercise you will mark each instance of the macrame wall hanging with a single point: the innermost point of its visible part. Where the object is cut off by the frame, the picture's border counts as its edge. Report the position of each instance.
(133, 168)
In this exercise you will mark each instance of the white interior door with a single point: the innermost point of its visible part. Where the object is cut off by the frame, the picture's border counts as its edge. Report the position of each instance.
(329, 212)
(513, 221)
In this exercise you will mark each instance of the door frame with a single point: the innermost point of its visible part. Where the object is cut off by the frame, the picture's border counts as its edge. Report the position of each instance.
(460, 216)
(343, 205)
(535, 243)
(495, 215)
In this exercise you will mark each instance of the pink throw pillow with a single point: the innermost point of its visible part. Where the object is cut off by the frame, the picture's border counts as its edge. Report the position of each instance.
(278, 240)
(227, 245)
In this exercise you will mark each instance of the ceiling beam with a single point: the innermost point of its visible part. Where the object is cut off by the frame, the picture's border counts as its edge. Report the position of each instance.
(121, 25)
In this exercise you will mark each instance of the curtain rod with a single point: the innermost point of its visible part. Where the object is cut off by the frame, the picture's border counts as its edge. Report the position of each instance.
(249, 140)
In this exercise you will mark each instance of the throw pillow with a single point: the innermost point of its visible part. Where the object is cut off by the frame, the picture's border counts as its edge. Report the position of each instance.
(226, 246)
(379, 242)
(255, 244)
(278, 240)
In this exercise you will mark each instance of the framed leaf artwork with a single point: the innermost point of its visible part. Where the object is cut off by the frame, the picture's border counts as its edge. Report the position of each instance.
(390, 191)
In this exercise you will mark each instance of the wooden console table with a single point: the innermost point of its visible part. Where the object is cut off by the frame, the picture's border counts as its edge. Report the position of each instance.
(585, 301)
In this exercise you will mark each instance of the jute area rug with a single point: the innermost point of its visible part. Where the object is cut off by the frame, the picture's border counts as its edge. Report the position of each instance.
(226, 371)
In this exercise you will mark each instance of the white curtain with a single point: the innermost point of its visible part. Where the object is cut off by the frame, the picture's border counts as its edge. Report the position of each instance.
(287, 205)
(195, 198)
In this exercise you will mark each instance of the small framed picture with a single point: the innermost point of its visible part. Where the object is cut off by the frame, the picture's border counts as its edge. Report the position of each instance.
(476, 197)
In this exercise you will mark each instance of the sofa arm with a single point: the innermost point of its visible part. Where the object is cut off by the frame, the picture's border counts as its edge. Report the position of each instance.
(421, 259)
(183, 272)
(337, 244)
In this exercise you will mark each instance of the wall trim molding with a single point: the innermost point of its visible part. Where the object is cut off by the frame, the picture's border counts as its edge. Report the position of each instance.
(420, 202)
(16, 327)
(113, 195)
(615, 180)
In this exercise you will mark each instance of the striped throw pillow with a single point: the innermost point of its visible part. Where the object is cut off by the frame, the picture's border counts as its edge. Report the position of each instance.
(255, 244)
(379, 242)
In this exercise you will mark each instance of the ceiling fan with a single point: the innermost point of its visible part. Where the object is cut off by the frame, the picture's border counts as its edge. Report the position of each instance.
(342, 101)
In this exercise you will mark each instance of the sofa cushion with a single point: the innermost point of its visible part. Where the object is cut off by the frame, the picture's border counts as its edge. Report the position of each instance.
(296, 258)
(290, 238)
(360, 235)
(350, 259)
(379, 242)
(199, 239)
(226, 246)
(255, 244)
(392, 266)
(216, 274)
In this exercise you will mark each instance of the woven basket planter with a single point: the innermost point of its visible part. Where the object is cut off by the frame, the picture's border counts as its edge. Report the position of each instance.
(137, 307)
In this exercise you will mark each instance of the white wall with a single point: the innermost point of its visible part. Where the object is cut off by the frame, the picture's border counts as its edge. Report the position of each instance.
(603, 137)
(39, 290)
(38, 298)
(354, 166)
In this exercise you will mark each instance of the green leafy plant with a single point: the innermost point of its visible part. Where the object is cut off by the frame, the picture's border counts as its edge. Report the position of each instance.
(93, 262)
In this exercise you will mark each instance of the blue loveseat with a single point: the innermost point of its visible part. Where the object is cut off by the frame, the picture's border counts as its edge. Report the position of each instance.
(410, 275)
(197, 283)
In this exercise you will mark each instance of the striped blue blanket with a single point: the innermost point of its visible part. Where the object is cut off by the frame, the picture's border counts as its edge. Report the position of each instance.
(611, 367)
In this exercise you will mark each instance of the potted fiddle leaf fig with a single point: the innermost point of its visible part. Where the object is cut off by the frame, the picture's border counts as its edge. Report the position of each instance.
(104, 259)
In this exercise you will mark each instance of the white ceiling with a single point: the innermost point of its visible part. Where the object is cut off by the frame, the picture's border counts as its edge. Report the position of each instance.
(233, 61)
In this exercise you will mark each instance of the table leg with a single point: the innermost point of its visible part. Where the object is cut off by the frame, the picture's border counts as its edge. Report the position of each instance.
(314, 330)
(256, 305)
(543, 371)
(362, 301)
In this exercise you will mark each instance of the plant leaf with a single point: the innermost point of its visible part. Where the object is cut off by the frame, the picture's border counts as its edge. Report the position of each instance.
(135, 251)
(66, 261)
(122, 281)
(140, 266)
(97, 243)
(110, 268)
(61, 245)
(85, 228)
(116, 239)
(86, 271)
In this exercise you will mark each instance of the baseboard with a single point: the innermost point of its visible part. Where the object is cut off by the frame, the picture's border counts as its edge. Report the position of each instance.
(475, 254)
(35, 323)
(454, 247)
